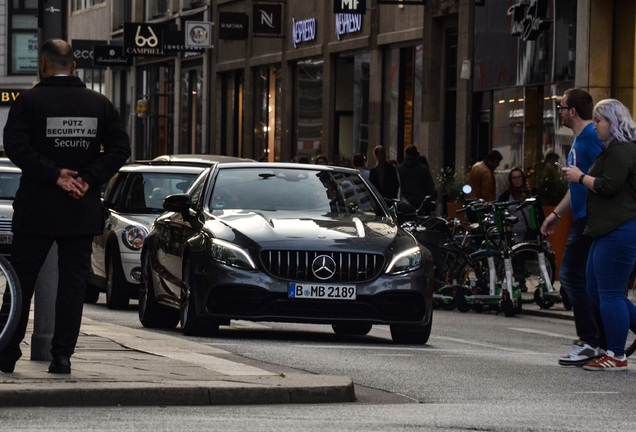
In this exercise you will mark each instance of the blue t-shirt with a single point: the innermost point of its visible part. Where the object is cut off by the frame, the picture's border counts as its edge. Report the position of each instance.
(585, 149)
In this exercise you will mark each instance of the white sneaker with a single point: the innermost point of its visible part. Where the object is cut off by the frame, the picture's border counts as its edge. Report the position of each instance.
(582, 353)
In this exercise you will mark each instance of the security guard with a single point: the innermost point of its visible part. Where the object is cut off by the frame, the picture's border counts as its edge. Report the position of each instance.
(68, 140)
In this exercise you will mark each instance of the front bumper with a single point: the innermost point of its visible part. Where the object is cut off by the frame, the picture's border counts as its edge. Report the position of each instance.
(224, 293)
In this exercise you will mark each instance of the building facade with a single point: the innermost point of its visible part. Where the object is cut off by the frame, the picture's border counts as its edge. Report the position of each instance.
(288, 80)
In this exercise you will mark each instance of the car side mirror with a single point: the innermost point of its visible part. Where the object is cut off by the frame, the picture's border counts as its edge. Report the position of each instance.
(179, 203)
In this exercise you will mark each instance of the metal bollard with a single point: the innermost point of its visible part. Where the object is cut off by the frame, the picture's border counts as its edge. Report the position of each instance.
(44, 307)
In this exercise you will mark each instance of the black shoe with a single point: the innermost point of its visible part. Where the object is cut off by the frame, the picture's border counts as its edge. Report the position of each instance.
(7, 367)
(60, 365)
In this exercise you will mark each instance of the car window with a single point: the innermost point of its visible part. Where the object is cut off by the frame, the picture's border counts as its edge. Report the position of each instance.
(9, 183)
(113, 190)
(146, 191)
(292, 189)
(197, 189)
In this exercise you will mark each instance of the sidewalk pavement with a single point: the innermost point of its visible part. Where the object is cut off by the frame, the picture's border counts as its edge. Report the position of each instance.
(120, 366)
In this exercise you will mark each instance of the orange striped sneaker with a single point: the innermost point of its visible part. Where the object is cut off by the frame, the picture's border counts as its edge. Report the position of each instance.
(607, 362)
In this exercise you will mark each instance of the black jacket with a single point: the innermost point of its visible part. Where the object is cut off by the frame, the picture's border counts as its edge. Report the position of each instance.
(416, 180)
(61, 124)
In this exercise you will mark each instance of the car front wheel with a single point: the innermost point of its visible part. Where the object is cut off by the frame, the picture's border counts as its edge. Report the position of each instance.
(411, 334)
(151, 313)
(191, 324)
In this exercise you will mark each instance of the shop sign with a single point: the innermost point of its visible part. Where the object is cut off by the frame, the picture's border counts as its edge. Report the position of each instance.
(267, 19)
(529, 18)
(198, 34)
(83, 52)
(8, 96)
(303, 31)
(348, 23)
(110, 56)
(175, 41)
(233, 25)
(143, 39)
(349, 6)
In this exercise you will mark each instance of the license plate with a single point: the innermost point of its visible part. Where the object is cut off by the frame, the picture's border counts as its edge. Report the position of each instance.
(321, 291)
(6, 238)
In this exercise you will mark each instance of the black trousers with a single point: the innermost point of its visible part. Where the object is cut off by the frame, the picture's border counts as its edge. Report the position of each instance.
(28, 253)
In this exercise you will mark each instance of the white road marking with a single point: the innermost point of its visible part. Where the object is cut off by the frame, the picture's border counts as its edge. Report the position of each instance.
(543, 333)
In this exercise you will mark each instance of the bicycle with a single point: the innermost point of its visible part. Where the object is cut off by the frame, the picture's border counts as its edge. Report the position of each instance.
(534, 264)
(491, 264)
(11, 301)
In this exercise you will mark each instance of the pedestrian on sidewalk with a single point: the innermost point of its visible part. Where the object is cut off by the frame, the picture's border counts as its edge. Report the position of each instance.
(611, 223)
(481, 177)
(68, 141)
(384, 176)
(575, 110)
(416, 180)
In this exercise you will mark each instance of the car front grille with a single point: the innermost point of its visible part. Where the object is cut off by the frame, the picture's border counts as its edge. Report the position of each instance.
(5, 225)
(296, 265)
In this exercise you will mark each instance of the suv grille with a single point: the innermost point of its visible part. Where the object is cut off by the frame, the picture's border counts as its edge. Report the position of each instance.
(296, 265)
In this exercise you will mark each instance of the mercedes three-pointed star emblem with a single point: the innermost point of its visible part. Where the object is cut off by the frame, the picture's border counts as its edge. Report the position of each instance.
(323, 267)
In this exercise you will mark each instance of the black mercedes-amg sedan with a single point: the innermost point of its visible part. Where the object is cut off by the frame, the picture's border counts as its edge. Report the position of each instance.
(288, 243)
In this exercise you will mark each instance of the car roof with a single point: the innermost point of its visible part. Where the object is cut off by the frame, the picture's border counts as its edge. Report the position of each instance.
(292, 165)
(162, 168)
(207, 159)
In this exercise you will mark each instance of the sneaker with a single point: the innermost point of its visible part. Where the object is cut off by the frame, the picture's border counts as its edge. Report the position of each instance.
(607, 362)
(582, 353)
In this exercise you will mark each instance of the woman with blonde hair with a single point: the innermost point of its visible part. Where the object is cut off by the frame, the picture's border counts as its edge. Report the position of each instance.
(611, 222)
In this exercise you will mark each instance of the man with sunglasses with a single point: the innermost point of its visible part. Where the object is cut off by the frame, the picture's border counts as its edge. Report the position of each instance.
(575, 111)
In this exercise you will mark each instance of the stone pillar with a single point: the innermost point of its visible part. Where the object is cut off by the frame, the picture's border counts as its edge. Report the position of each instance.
(44, 316)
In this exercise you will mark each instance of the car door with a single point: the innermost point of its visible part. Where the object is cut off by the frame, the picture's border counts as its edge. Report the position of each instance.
(174, 232)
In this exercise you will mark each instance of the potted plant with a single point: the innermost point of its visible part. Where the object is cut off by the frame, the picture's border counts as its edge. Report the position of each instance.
(450, 183)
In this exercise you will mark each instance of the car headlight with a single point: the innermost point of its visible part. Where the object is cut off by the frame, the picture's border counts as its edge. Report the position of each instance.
(133, 236)
(230, 254)
(406, 261)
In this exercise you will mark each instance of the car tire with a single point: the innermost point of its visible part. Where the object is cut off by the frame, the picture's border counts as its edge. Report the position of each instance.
(411, 334)
(116, 296)
(356, 329)
(191, 324)
(151, 313)
(92, 294)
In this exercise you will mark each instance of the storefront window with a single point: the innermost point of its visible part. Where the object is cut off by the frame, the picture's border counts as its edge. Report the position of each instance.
(232, 113)
(308, 91)
(155, 120)
(405, 75)
(508, 126)
(351, 107)
(190, 134)
(267, 113)
(556, 137)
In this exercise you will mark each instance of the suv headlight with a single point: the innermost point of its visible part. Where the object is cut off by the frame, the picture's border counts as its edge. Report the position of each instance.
(133, 236)
(230, 254)
(406, 261)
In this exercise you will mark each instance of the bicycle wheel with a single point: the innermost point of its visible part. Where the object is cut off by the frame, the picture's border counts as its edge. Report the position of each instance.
(630, 292)
(525, 262)
(474, 273)
(11, 301)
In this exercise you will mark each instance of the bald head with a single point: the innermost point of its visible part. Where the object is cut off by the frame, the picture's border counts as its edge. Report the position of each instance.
(56, 57)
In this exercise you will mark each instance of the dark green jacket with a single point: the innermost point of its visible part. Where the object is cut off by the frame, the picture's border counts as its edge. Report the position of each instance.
(611, 204)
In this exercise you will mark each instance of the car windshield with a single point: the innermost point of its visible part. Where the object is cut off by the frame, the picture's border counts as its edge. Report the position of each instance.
(288, 189)
(9, 183)
(148, 190)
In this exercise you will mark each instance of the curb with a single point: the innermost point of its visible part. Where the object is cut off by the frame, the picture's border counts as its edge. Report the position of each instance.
(301, 390)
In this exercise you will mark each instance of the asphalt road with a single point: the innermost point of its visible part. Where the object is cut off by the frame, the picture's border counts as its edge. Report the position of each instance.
(479, 371)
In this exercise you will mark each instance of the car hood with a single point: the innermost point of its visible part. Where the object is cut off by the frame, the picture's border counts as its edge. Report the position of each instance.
(278, 229)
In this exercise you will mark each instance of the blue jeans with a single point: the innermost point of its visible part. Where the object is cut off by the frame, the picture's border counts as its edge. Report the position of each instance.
(572, 278)
(609, 265)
